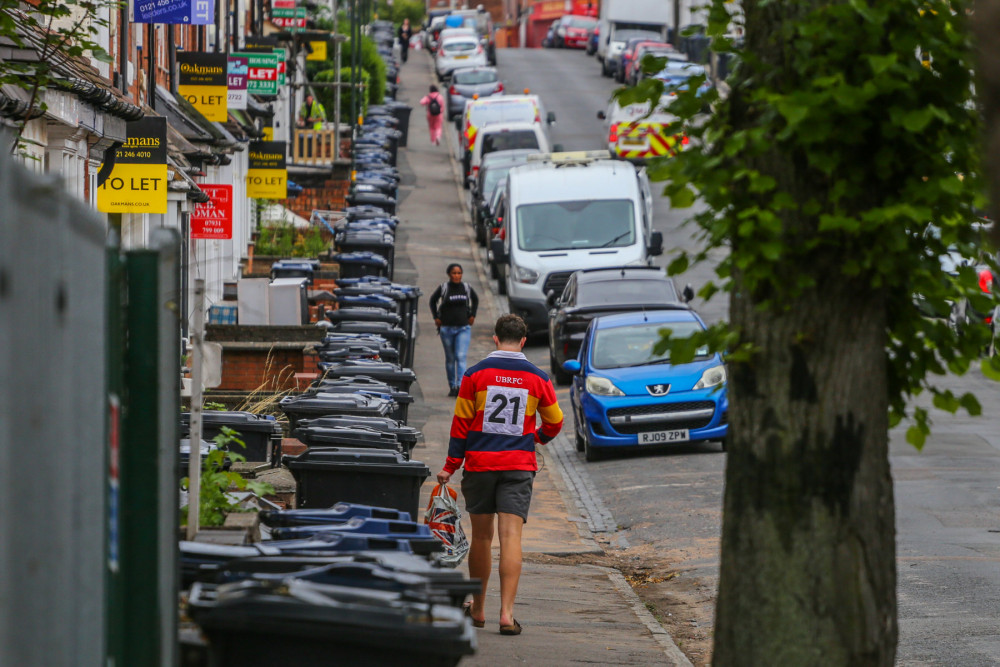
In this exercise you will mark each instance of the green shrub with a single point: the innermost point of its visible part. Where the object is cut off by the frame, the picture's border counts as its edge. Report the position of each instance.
(286, 240)
(326, 95)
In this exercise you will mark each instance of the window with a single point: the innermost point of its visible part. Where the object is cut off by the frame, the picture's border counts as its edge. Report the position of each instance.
(510, 140)
(459, 47)
(476, 76)
(523, 112)
(573, 225)
(627, 292)
(620, 347)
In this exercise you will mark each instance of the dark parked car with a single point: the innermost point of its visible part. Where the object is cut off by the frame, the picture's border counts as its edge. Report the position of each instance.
(592, 38)
(492, 171)
(471, 83)
(628, 53)
(549, 41)
(593, 292)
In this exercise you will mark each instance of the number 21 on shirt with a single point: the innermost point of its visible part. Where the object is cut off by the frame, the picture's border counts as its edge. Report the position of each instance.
(504, 411)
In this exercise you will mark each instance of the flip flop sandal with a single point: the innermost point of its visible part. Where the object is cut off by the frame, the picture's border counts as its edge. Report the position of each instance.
(475, 623)
(511, 629)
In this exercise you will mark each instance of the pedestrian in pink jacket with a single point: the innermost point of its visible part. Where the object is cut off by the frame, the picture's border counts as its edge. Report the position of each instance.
(435, 113)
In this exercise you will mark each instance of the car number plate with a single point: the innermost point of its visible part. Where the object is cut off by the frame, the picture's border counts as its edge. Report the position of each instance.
(664, 437)
(633, 141)
(461, 57)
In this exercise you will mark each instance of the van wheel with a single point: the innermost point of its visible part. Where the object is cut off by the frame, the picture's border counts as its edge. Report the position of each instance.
(604, 68)
(581, 444)
(591, 453)
(502, 286)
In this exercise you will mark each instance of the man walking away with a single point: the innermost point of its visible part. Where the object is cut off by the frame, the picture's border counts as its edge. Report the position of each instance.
(494, 432)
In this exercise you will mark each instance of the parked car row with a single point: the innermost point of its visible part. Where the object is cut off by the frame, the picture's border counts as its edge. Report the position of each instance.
(571, 243)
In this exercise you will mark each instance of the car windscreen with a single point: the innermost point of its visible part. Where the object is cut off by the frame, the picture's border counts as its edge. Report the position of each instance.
(473, 77)
(509, 140)
(576, 225)
(621, 347)
(625, 292)
(459, 47)
(493, 176)
(625, 35)
(579, 22)
(509, 112)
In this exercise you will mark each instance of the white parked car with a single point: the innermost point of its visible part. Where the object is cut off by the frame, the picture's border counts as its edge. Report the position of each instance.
(458, 51)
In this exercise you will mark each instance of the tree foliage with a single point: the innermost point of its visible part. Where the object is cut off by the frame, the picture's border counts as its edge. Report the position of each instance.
(876, 106)
(53, 32)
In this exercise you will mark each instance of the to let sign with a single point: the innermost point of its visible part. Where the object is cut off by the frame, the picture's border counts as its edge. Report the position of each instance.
(262, 72)
(138, 181)
(214, 220)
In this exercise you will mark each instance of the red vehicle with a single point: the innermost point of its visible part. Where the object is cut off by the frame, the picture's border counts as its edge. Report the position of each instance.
(572, 31)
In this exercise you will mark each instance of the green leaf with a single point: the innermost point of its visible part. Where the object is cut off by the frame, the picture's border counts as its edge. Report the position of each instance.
(971, 405)
(678, 265)
(682, 198)
(991, 368)
(916, 120)
(946, 401)
(916, 437)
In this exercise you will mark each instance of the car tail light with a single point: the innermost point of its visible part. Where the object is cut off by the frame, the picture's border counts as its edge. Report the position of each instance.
(684, 140)
(441, 52)
(475, 171)
(499, 87)
(452, 91)
(479, 49)
(613, 136)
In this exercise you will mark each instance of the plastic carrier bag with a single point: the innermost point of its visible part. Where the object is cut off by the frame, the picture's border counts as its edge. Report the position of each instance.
(443, 517)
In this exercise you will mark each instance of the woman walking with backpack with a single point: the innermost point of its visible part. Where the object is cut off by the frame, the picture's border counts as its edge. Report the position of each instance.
(454, 320)
(435, 114)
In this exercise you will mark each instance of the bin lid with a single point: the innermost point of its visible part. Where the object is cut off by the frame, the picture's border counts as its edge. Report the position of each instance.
(361, 383)
(339, 338)
(337, 513)
(379, 370)
(366, 299)
(364, 258)
(297, 265)
(323, 403)
(386, 461)
(403, 433)
(347, 436)
(237, 420)
(384, 329)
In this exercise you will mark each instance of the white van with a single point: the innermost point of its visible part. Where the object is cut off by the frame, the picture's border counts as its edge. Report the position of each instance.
(563, 212)
(507, 137)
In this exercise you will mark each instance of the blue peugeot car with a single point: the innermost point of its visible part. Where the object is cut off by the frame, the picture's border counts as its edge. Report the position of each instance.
(625, 395)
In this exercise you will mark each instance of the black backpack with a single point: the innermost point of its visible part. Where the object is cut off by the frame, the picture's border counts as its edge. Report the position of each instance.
(434, 106)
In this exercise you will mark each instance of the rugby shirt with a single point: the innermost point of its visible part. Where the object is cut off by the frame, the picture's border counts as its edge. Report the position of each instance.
(499, 403)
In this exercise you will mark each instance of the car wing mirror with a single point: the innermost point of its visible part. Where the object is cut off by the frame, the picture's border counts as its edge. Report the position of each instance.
(655, 243)
(601, 115)
(552, 299)
(550, 118)
(687, 294)
(572, 366)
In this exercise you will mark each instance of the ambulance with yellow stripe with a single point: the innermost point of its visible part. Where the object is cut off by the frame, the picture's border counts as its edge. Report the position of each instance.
(495, 109)
(635, 136)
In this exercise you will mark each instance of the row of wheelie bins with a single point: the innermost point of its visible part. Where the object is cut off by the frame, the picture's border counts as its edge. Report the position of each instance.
(348, 576)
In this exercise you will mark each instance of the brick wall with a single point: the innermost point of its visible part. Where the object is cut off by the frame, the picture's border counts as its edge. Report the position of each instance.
(270, 371)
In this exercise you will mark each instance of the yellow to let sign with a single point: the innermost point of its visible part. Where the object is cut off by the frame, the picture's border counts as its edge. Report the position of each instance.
(138, 181)
(211, 101)
(267, 183)
(318, 51)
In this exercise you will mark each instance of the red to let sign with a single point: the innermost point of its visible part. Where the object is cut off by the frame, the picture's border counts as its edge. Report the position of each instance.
(214, 220)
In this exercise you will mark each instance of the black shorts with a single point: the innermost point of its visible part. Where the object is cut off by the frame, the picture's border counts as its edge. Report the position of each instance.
(495, 491)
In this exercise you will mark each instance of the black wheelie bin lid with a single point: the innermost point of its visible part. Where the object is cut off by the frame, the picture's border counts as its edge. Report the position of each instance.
(318, 404)
(257, 623)
(363, 314)
(391, 333)
(339, 513)
(406, 435)
(391, 374)
(360, 437)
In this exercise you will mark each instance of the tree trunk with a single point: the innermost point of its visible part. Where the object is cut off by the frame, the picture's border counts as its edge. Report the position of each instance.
(808, 572)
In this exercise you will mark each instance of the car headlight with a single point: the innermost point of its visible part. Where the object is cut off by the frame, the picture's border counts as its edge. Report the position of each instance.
(711, 377)
(601, 386)
(525, 275)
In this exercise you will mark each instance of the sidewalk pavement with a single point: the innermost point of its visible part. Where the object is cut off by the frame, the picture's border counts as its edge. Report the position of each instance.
(570, 613)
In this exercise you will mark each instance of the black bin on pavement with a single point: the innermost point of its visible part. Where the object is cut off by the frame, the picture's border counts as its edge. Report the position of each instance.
(295, 268)
(363, 314)
(357, 264)
(320, 404)
(368, 240)
(340, 346)
(262, 435)
(382, 201)
(401, 111)
(397, 337)
(406, 435)
(261, 623)
(353, 437)
(378, 477)
(392, 374)
(363, 384)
